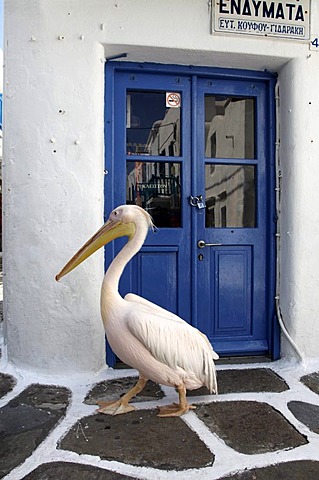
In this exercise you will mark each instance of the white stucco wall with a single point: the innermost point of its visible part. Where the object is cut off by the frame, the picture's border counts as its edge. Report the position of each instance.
(299, 114)
(1, 73)
(53, 160)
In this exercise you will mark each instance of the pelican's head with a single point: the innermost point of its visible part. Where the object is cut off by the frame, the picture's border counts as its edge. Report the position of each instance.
(123, 221)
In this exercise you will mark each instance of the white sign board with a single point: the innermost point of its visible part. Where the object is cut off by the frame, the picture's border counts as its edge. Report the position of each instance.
(273, 18)
(173, 99)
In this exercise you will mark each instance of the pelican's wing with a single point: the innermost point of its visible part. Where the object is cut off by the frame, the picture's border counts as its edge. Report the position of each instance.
(174, 343)
(131, 297)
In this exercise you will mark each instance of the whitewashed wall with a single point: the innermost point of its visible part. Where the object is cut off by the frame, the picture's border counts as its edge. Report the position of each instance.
(53, 160)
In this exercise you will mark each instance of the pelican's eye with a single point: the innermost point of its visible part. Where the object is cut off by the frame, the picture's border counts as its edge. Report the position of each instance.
(116, 213)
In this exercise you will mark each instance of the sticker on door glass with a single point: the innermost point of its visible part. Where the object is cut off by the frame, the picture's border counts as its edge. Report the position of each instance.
(173, 99)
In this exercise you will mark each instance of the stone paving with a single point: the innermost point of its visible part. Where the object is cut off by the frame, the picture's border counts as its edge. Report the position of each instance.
(26, 420)
(263, 425)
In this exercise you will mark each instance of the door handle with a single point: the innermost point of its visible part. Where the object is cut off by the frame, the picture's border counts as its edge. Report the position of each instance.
(203, 244)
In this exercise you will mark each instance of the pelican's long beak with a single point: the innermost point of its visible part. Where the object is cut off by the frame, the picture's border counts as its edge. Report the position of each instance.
(110, 230)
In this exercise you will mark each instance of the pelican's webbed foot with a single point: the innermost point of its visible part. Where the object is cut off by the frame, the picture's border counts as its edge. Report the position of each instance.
(177, 409)
(174, 410)
(122, 405)
(115, 408)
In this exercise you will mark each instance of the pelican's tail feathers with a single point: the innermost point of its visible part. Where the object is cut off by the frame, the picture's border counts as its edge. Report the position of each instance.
(210, 374)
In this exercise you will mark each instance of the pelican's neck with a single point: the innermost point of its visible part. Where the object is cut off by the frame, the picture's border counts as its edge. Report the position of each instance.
(110, 286)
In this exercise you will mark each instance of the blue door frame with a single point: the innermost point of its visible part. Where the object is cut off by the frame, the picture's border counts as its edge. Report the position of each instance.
(200, 291)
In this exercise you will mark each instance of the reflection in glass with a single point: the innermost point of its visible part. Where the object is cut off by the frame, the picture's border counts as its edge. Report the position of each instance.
(229, 127)
(151, 127)
(156, 187)
(230, 196)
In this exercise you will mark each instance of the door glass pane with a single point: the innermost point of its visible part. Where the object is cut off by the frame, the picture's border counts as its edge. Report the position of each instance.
(229, 127)
(155, 186)
(230, 196)
(152, 128)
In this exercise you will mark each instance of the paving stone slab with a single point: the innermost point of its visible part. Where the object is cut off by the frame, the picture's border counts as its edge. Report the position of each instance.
(139, 438)
(7, 382)
(306, 413)
(297, 470)
(27, 420)
(250, 427)
(72, 471)
(246, 380)
(311, 381)
(110, 390)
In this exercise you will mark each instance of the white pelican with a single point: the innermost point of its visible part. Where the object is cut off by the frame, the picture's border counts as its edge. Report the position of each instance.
(160, 345)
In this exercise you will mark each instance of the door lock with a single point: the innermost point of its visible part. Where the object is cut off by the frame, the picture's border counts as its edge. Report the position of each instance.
(203, 244)
(197, 202)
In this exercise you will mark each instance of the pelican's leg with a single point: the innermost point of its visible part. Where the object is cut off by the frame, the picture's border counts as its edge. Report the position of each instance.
(122, 405)
(177, 409)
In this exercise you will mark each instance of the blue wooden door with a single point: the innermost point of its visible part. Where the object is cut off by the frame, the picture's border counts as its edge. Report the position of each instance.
(193, 150)
(232, 232)
(152, 169)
